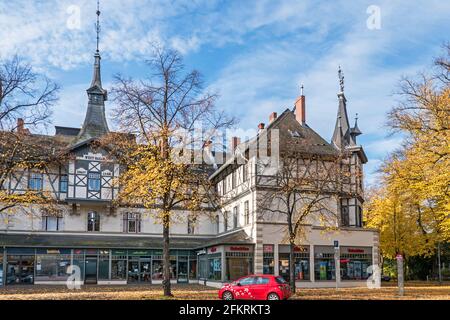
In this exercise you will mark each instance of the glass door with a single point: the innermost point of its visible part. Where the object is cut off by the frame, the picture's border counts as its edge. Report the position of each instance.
(145, 271)
(90, 275)
(182, 270)
(133, 271)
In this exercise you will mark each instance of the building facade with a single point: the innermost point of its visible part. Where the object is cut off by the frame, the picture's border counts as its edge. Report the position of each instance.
(124, 245)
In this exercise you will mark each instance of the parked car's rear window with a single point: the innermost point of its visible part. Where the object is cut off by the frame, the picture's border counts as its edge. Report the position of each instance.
(280, 280)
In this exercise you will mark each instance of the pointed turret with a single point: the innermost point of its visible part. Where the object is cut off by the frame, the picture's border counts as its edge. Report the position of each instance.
(354, 132)
(341, 135)
(95, 124)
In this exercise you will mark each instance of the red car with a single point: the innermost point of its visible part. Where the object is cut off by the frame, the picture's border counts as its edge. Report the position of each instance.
(256, 287)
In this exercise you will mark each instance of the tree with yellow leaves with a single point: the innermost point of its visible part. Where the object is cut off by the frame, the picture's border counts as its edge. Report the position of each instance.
(411, 206)
(25, 99)
(158, 169)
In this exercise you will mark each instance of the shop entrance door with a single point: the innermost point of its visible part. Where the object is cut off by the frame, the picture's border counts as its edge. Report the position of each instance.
(20, 269)
(145, 271)
(90, 274)
(133, 271)
(182, 270)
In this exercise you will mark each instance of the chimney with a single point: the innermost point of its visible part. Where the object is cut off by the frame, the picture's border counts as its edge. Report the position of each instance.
(235, 141)
(300, 107)
(272, 117)
(21, 127)
(261, 126)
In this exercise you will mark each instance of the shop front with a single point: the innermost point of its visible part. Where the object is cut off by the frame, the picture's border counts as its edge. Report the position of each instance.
(301, 262)
(20, 266)
(268, 259)
(354, 263)
(52, 264)
(1, 267)
(238, 261)
(324, 266)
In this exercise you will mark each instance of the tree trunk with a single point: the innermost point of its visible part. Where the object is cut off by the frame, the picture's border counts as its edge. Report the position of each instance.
(292, 267)
(166, 256)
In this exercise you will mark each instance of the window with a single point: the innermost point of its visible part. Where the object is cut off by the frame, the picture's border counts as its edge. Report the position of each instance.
(225, 221)
(93, 221)
(35, 182)
(131, 222)
(345, 215)
(262, 280)
(191, 224)
(94, 181)
(246, 212)
(215, 267)
(51, 223)
(63, 183)
(244, 172)
(224, 186)
(355, 262)
(235, 216)
(233, 179)
(217, 224)
(247, 281)
(359, 222)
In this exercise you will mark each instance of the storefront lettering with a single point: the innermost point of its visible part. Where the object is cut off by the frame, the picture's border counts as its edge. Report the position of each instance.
(239, 249)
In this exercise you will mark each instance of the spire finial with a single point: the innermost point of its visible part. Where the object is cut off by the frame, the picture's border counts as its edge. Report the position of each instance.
(97, 25)
(341, 78)
(301, 89)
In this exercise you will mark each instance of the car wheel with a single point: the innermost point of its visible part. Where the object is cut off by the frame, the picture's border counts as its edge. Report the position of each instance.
(227, 295)
(273, 296)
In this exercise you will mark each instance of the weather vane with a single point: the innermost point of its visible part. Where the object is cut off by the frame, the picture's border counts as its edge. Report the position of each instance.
(97, 25)
(341, 79)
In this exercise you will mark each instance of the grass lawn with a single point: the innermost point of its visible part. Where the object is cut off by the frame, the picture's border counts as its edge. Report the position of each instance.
(413, 291)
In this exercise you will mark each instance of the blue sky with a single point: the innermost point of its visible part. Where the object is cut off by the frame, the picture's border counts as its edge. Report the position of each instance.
(254, 54)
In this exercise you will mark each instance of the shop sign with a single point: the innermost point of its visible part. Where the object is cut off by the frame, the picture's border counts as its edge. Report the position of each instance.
(353, 250)
(77, 251)
(201, 252)
(213, 249)
(139, 253)
(268, 248)
(119, 252)
(239, 248)
(301, 249)
(52, 251)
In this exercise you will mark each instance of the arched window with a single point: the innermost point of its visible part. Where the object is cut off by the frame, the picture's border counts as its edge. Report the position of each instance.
(93, 221)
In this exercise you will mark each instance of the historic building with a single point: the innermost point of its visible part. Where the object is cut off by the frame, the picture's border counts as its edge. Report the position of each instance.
(124, 245)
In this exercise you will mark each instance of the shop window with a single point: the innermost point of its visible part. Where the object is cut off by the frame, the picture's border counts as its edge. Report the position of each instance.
(52, 223)
(93, 223)
(238, 264)
(118, 266)
(63, 183)
(202, 266)
(158, 271)
(235, 216)
(93, 181)
(215, 267)
(324, 266)
(52, 267)
(131, 222)
(354, 263)
(192, 268)
(103, 265)
(301, 262)
(35, 182)
(268, 259)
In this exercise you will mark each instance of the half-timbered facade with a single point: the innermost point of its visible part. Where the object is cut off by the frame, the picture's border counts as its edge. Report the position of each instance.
(124, 245)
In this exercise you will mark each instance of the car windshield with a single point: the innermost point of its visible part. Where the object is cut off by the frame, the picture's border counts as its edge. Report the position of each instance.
(280, 280)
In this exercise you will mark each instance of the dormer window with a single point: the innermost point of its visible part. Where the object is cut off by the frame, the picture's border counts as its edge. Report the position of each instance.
(94, 181)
